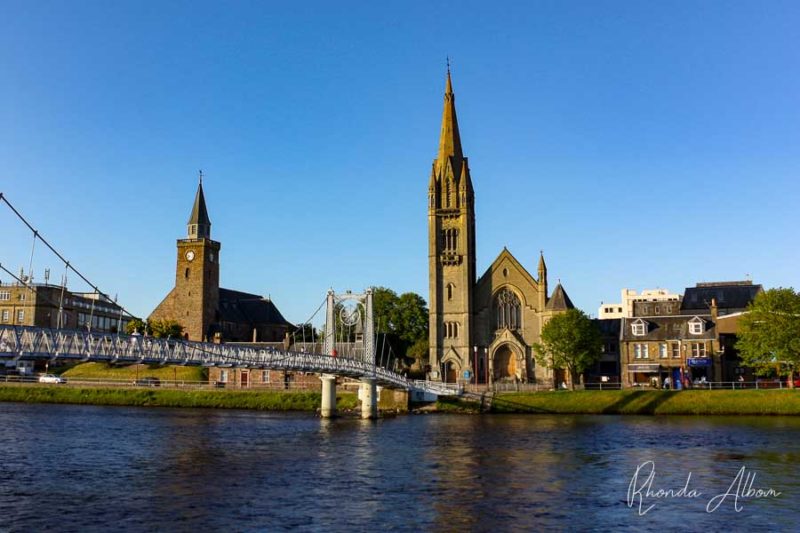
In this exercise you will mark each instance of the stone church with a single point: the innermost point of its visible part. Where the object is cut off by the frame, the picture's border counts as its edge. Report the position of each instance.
(207, 311)
(479, 327)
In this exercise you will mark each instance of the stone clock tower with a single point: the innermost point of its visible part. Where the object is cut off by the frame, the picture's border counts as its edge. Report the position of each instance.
(451, 251)
(195, 299)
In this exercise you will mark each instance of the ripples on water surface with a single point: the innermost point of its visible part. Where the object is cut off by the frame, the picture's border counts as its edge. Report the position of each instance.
(103, 468)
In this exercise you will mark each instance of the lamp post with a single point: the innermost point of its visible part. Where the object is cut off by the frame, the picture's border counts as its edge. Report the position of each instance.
(475, 363)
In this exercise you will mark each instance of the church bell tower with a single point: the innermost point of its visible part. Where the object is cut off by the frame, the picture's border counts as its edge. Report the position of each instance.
(196, 292)
(451, 252)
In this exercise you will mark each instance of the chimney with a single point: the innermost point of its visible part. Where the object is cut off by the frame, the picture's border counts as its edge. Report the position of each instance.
(255, 334)
(714, 310)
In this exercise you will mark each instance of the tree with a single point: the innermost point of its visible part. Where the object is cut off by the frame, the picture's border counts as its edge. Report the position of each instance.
(404, 320)
(165, 328)
(769, 332)
(161, 329)
(569, 340)
(135, 325)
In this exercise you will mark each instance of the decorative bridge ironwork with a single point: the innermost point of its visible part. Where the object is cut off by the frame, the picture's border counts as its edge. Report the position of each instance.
(33, 343)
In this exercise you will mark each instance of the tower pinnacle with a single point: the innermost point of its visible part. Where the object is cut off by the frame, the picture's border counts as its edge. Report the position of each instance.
(449, 140)
(199, 225)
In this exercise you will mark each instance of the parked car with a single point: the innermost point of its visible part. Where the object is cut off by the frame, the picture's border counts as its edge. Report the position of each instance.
(148, 381)
(51, 378)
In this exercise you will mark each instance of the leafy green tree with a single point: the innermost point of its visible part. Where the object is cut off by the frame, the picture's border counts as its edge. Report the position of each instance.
(165, 328)
(769, 332)
(569, 341)
(161, 329)
(135, 325)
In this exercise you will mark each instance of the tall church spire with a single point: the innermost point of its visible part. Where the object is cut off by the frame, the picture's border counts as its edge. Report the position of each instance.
(199, 225)
(449, 140)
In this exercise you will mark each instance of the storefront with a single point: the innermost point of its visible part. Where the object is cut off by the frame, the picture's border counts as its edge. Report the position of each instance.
(699, 369)
(644, 375)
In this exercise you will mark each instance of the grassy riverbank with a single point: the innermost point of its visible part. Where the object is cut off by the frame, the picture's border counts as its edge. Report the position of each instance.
(224, 399)
(636, 402)
(133, 372)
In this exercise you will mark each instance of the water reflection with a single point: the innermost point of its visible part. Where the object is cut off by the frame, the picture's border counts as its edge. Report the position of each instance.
(145, 469)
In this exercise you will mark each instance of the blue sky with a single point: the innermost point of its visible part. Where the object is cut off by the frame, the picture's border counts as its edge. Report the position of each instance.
(639, 144)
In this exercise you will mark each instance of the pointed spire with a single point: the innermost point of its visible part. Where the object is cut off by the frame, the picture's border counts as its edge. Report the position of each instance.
(449, 140)
(199, 225)
(559, 301)
(542, 265)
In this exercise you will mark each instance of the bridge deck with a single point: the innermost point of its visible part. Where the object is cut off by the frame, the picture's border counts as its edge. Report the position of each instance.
(32, 343)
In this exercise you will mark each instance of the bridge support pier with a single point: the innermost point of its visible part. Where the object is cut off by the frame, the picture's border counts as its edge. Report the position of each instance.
(369, 398)
(328, 395)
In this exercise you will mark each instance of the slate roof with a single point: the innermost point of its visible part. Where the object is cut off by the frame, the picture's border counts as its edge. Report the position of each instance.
(731, 296)
(245, 308)
(559, 301)
(199, 213)
(664, 328)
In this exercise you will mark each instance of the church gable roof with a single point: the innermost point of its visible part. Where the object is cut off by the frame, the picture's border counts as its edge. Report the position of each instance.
(507, 258)
(559, 301)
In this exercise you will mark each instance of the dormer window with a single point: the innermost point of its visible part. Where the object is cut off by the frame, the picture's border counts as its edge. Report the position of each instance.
(639, 328)
(696, 326)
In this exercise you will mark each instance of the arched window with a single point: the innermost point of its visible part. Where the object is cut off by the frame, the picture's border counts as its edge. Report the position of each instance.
(449, 291)
(508, 310)
(186, 273)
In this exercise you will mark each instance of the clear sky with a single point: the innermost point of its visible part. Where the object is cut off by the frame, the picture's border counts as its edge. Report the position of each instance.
(639, 144)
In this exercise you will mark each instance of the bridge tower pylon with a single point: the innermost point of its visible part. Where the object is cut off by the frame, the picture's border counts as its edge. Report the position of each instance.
(350, 331)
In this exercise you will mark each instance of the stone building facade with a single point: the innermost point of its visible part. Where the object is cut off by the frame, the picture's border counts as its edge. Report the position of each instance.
(205, 310)
(481, 329)
(691, 340)
(54, 306)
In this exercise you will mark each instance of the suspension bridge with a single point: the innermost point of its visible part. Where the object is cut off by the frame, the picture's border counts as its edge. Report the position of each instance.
(347, 349)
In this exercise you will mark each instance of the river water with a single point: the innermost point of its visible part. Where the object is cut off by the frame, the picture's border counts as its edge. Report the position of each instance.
(85, 468)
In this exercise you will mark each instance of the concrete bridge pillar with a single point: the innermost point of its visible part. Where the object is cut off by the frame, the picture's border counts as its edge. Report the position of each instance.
(369, 398)
(328, 395)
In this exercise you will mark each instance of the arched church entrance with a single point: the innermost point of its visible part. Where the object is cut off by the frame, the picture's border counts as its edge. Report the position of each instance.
(505, 363)
(450, 372)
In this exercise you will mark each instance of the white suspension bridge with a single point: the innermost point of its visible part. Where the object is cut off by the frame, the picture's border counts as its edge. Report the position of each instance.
(348, 346)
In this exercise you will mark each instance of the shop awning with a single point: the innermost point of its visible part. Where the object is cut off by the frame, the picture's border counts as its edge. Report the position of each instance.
(644, 369)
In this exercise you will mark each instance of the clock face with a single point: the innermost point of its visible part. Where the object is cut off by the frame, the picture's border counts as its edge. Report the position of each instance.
(190, 255)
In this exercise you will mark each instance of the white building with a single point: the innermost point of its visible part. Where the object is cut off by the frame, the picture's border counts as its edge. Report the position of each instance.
(629, 296)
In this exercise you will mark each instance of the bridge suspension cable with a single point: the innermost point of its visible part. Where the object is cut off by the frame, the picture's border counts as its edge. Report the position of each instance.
(67, 264)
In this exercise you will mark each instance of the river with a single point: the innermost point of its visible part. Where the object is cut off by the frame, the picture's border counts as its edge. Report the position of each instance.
(85, 468)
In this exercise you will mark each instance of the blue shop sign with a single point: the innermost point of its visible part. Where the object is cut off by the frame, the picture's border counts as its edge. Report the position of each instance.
(699, 361)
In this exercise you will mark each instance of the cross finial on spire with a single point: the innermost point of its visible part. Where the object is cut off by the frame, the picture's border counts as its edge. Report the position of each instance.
(448, 64)
(201, 176)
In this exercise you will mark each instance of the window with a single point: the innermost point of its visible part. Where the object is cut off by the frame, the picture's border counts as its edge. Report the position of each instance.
(641, 351)
(696, 326)
(22, 296)
(698, 349)
(638, 328)
(265, 376)
(451, 330)
(20, 316)
(676, 350)
(5, 315)
(507, 309)
(223, 376)
(5, 295)
(449, 291)
(449, 239)
(186, 273)
(662, 350)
